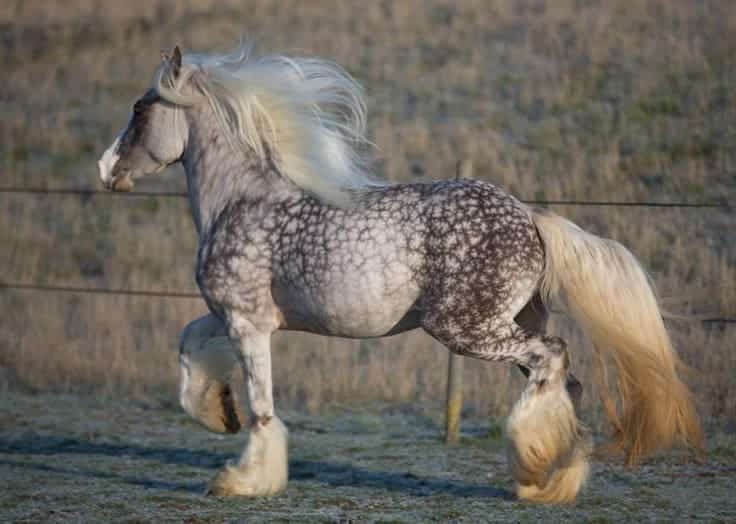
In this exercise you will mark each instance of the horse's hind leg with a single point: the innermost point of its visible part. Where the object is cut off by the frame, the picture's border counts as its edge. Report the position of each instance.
(533, 318)
(207, 361)
(549, 448)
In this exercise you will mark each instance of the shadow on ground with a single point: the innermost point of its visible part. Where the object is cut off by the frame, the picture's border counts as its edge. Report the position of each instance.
(332, 474)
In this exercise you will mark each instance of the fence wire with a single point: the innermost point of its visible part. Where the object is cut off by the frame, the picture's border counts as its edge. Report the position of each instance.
(89, 193)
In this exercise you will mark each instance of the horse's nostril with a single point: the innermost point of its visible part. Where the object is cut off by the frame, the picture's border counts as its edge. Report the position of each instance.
(122, 182)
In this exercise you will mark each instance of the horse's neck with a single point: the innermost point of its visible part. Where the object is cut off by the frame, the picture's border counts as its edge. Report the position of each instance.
(219, 172)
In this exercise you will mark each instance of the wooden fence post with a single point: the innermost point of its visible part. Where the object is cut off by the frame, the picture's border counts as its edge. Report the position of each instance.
(454, 400)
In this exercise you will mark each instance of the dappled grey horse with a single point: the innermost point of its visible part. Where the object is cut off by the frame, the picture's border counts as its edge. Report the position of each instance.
(294, 233)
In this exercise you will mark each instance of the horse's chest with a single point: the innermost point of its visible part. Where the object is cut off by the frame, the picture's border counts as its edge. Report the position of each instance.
(233, 274)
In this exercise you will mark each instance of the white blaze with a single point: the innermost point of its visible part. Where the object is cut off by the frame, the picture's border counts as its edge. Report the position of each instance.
(108, 160)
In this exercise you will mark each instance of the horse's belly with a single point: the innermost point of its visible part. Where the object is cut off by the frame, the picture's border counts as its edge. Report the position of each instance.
(356, 304)
(362, 315)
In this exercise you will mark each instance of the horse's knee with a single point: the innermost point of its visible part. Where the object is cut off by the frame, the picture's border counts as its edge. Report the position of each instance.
(199, 331)
(558, 369)
(205, 390)
(548, 362)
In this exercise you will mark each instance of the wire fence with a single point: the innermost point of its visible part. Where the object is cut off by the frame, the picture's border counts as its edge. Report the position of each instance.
(180, 194)
(100, 290)
(89, 193)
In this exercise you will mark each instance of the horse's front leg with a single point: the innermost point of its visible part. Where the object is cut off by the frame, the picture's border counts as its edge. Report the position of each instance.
(207, 362)
(262, 469)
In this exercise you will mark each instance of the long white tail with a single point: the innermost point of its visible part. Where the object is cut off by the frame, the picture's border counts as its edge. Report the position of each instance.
(602, 286)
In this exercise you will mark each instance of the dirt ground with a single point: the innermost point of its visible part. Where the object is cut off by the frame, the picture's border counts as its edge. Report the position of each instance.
(96, 459)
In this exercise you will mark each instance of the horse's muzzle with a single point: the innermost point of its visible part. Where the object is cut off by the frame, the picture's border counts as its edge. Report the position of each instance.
(120, 183)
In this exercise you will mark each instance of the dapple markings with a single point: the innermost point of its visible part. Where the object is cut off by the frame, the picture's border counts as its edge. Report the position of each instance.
(295, 234)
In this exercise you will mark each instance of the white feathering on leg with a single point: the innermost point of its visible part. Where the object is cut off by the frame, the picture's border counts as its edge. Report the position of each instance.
(263, 469)
(548, 450)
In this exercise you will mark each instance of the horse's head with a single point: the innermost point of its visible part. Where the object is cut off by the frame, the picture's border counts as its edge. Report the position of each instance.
(153, 139)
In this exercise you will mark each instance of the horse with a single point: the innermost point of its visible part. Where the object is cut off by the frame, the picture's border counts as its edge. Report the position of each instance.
(296, 233)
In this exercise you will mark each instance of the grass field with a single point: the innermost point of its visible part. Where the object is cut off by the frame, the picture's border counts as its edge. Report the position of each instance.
(70, 458)
(575, 99)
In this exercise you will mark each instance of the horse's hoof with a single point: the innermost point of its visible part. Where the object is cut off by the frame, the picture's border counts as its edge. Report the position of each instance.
(263, 469)
(223, 484)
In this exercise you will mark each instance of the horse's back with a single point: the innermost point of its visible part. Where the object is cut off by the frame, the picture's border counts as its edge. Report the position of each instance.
(482, 246)
(369, 270)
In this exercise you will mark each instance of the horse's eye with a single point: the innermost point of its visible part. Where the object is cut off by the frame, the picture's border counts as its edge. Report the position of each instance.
(138, 107)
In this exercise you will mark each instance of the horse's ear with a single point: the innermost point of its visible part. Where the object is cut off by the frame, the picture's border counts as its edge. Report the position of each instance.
(173, 60)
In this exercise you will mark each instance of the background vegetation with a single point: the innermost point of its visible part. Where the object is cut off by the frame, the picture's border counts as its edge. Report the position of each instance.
(580, 99)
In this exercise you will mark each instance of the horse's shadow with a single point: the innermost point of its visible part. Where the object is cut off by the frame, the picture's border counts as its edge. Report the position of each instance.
(332, 474)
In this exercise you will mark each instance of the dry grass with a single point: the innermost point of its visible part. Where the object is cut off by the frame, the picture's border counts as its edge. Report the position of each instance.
(628, 100)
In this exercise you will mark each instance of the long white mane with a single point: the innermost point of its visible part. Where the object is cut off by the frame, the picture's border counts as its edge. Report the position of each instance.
(307, 113)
